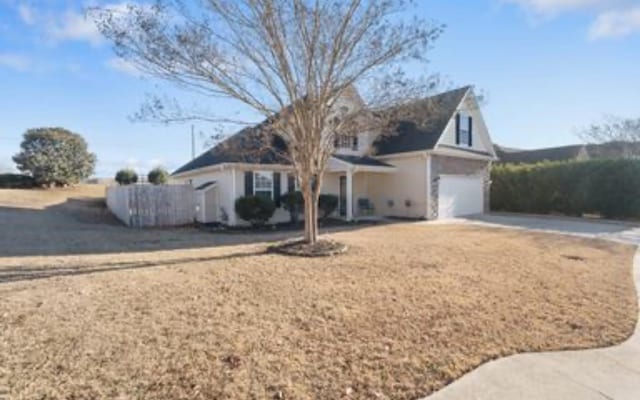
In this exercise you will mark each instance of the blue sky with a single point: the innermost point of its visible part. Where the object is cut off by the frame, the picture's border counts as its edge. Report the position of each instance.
(546, 66)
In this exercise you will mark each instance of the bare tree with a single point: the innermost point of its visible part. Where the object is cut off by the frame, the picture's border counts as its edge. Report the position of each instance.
(289, 60)
(615, 136)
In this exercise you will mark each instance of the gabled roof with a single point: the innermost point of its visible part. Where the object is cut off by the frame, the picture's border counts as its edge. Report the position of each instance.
(423, 124)
(562, 153)
(420, 125)
(247, 146)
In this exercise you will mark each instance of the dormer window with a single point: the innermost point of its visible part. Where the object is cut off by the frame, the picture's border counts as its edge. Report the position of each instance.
(464, 129)
(346, 142)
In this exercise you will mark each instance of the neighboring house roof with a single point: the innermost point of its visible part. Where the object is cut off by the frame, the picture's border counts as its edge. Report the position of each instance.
(419, 126)
(563, 153)
(357, 160)
(616, 149)
(503, 149)
(423, 123)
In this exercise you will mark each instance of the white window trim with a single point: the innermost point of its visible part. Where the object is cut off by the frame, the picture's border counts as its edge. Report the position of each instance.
(296, 185)
(255, 187)
(347, 142)
(464, 119)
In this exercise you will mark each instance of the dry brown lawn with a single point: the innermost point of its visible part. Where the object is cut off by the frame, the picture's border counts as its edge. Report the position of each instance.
(408, 309)
(41, 198)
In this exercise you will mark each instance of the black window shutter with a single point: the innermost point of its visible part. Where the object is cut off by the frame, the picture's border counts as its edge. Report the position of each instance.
(355, 143)
(470, 132)
(457, 128)
(291, 182)
(276, 188)
(248, 183)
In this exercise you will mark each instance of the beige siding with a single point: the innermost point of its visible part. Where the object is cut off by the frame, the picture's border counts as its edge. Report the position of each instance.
(481, 140)
(224, 181)
(281, 215)
(390, 192)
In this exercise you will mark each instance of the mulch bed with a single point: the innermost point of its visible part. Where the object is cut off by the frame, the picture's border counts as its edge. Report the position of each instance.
(300, 248)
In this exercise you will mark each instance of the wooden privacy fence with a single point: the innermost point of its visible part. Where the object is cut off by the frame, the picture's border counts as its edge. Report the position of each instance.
(142, 206)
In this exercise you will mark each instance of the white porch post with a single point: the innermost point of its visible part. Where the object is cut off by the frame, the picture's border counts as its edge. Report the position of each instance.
(232, 212)
(349, 194)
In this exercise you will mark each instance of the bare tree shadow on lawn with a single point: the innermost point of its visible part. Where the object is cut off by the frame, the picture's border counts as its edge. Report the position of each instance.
(21, 273)
(83, 226)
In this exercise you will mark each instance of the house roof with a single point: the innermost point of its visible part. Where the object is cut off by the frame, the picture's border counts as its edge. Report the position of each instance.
(418, 126)
(420, 123)
(548, 154)
(206, 185)
(247, 146)
(356, 160)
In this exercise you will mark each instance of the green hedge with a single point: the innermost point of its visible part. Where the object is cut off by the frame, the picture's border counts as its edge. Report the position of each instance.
(16, 181)
(610, 188)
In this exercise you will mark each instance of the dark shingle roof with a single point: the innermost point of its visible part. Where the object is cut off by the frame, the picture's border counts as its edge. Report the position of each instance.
(247, 146)
(420, 123)
(356, 160)
(562, 153)
(419, 127)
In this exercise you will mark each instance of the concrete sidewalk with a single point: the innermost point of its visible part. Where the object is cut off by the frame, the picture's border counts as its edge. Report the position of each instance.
(608, 373)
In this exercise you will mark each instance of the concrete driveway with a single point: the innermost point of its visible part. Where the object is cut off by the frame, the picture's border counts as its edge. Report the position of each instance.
(609, 373)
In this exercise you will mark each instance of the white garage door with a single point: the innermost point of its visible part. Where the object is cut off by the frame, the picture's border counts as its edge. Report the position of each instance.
(460, 195)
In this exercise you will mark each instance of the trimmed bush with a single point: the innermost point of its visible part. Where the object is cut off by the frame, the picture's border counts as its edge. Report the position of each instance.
(327, 204)
(126, 176)
(158, 176)
(609, 188)
(55, 156)
(293, 202)
(16, 181)
(256, 210)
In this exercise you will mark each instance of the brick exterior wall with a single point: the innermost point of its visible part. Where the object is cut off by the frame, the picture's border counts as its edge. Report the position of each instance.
(457, 166)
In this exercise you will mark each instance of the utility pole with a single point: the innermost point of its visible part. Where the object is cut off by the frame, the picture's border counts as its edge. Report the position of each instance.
(193, 143)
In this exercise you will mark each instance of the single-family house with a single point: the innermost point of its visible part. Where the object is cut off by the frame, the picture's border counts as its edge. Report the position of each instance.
(435, 168)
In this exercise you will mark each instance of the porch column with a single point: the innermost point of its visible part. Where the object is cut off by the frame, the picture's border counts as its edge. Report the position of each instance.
(349, 194)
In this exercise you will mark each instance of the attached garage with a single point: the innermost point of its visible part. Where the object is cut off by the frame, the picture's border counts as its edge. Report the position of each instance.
(460, 195)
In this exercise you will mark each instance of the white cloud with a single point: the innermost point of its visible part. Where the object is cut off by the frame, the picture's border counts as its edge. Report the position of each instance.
(613, 18)
(14, 61)
(616, 23)
(124, 66)
(75, 26)
(555, 7)
(27, 14)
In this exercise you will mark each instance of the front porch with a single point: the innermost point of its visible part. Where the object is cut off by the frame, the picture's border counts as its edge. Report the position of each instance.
(353, 179)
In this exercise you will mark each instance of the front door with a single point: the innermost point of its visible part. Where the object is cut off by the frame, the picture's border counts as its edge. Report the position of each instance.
(343, 196)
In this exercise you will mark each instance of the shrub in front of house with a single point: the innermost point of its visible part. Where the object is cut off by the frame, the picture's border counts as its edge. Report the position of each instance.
(158, 176)
(293, 202)
(327, 204)
(609, 188)
(256, 210)
(16, 181)
(126, 176)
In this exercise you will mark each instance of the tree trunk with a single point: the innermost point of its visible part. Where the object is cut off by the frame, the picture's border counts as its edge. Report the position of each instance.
(310, 216)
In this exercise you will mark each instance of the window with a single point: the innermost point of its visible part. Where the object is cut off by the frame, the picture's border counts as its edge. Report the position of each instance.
(464, 124)
(263, 184)
(346, 142)
(292, 183)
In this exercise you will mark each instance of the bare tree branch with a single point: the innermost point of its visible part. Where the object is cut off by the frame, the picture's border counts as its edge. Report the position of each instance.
(289, 60)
